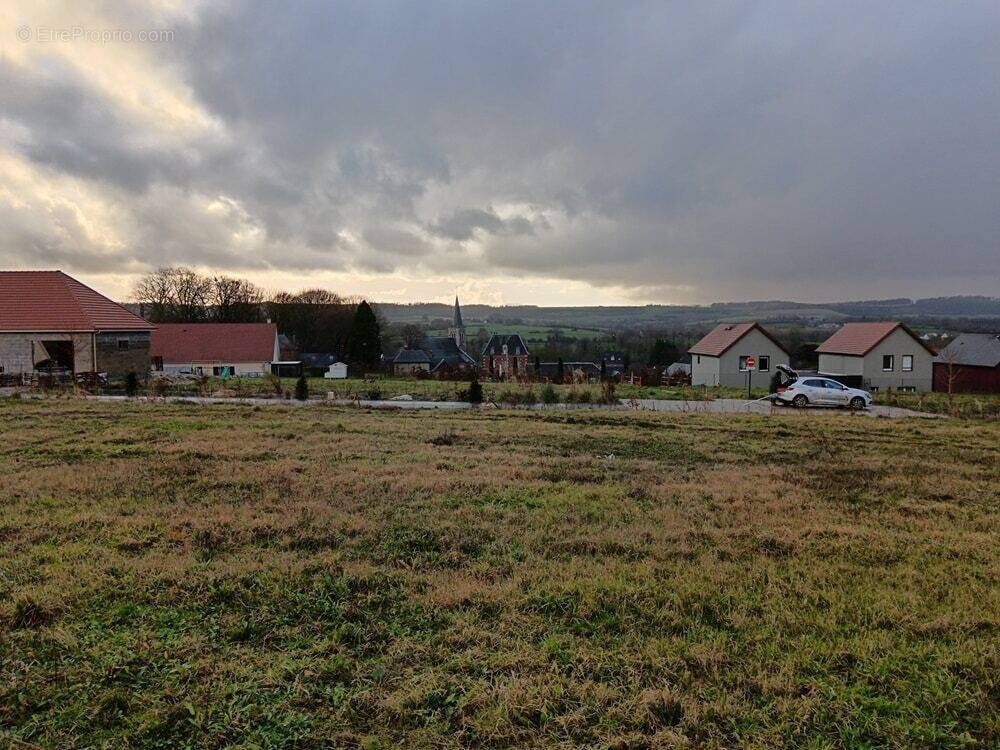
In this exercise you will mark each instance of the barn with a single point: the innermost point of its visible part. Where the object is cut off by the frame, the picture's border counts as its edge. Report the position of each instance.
(969, 364)
(51, 324)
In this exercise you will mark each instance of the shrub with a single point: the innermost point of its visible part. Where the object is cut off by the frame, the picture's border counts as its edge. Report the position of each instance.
(301, 389)
(549, 395)
(475, 392)
(158, 386)
(274, 383)
(131, 383)
(608, 392)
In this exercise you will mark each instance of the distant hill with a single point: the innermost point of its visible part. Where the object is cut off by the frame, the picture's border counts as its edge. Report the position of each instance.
(949, 312)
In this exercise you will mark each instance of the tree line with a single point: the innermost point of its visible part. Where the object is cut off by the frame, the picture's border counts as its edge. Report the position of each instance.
(316, 320)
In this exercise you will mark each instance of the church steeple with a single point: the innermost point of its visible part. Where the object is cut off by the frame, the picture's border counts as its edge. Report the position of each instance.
(457, 330)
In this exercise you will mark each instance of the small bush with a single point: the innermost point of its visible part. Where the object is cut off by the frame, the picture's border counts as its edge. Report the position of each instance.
(475, 392)
(274, 383)
(549, 395)
(608, 392)
(158, 386)
(301, 389)
(131, 383)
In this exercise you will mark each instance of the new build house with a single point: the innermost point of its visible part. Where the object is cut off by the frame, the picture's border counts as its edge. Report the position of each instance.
(877, 356)
(51, 323)
(220, 349)
(720, 358)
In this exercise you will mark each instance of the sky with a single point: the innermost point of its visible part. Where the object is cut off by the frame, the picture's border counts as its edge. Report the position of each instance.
(551, 153)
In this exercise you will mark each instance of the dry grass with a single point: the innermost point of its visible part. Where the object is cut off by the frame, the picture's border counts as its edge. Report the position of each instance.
(176, 576)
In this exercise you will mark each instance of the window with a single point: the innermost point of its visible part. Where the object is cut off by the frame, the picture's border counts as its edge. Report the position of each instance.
(743, 362)
(907, 363)
(123, 345)
(833, 385)
(812, 383)
(699, 359)
(763, 363)
(888, 362)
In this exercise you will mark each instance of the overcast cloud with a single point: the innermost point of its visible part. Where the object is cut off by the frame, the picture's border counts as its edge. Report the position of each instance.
(548, 152)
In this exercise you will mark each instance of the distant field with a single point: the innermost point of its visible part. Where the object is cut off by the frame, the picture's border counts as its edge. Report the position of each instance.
(531, 334)
(202, 577)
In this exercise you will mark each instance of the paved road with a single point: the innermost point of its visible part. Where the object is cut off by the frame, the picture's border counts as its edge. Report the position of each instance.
(740, 406)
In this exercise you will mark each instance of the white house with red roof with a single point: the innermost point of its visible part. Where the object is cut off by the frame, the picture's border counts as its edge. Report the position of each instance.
(215, 348)
(722, 356)
(51, 323)
(876, 356)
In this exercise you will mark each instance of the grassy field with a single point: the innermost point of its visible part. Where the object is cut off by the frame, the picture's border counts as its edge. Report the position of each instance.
(175, 576)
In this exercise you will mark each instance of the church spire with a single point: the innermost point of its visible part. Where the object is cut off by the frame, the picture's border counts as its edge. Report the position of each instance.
(457, 330)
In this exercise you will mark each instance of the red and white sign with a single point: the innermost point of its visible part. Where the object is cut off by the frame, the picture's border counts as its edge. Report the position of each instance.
(751, 363)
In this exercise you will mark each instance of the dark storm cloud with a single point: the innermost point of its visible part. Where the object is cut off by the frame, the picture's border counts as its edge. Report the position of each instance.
(724, 150)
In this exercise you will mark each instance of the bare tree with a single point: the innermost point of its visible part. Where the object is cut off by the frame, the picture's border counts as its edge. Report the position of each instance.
(952, 373)
(235, 300)
(174, 295)
(412, 335)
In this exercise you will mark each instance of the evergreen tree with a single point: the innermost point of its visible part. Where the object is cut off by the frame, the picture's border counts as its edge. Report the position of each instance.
(663, 353)
(475, 391)
(301, 389)
(365, 343)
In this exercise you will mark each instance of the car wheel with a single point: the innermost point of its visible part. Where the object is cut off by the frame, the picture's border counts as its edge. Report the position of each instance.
(800, 401)
(857, 403)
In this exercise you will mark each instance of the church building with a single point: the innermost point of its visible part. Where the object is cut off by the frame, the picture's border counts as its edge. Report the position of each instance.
(437, 355)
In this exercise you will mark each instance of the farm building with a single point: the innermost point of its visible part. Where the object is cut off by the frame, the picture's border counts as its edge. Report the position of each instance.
(51, 323)
(877, 356)
(219, 349)
(317, 364)
(577, 372)
(720, 358)
(506, 356)
(969, 364)
(410, 362)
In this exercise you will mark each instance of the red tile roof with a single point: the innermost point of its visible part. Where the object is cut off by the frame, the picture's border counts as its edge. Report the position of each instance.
(857, 339)
(724, 335)
(52, 302)
(225, 343)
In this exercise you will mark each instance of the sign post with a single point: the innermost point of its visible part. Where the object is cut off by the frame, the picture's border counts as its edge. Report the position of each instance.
(751, 366)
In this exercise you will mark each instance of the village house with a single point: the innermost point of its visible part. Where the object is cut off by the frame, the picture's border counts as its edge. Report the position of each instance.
(969, 364)
(877, 356)
(720, 358)
(436, 355)
(506, 356)
(51, 323)
(219, 349)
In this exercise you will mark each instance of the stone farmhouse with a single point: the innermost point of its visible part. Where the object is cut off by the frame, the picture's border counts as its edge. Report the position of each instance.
(51, 323)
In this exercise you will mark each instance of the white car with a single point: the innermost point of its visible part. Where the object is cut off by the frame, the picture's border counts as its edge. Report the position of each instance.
(814, 391)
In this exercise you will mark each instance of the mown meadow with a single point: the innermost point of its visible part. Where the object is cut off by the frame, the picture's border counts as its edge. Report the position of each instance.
(176, 576)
